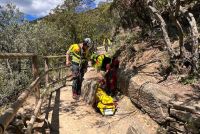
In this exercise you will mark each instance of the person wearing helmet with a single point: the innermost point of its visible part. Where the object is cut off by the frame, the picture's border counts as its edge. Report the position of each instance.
(107, 43)
(100, 61)
(78, 56)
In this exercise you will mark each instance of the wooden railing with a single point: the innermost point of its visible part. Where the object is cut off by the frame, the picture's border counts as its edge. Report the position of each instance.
(34, 87)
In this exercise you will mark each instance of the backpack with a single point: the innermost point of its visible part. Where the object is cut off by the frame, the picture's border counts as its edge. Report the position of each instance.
(106, 60)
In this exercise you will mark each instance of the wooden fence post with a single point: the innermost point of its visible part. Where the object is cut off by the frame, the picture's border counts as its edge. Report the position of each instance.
(46, 65)
(35, 75)
(62, 76)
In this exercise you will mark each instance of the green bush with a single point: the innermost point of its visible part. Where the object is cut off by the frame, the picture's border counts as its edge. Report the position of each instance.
(190, 79)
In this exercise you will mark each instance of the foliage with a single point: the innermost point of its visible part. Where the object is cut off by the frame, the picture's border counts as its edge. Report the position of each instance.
(131, 13)
(50, 35)
(191, 79)
(43, 39)
(10, 21)
(94, 23)
(20, 36)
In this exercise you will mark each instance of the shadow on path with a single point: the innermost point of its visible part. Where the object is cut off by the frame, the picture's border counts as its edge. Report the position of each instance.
(55, 114)
(53, 126)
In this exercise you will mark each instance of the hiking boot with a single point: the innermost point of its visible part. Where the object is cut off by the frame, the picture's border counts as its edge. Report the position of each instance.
(74, 96)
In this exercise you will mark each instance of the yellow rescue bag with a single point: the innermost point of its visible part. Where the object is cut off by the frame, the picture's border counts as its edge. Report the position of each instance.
(105, 103)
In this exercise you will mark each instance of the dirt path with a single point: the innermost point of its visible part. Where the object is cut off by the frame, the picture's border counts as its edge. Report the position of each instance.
(67, 116)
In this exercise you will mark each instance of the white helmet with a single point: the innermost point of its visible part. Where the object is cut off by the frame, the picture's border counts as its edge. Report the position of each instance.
(87, 41)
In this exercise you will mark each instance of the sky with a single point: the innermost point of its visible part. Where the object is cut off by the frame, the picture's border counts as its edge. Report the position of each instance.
(39, 8)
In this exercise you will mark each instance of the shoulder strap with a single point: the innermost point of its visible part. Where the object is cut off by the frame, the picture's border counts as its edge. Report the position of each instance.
(81, 54)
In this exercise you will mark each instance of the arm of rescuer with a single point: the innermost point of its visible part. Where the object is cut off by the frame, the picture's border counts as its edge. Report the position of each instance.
(99, 62)
(104, 42)
(68, 56)
(98, 65)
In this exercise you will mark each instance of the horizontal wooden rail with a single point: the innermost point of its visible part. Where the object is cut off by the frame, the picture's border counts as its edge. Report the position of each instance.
(25, 55)
(9, 114)
(36, 111)
(16, 55)
(60, 56)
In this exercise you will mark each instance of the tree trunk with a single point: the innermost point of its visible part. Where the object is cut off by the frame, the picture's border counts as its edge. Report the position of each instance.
(174, 16)
(194, 32)
(180, 34)
(164, 30)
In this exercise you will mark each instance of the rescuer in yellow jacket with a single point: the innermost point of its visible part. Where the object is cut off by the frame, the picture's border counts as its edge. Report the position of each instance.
(100, 61)
(109, 66)
(106, 43)
(78, 56)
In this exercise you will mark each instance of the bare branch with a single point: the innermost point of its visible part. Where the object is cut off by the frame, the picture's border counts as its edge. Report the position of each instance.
(164, 30)
(194, 32)
(174, 12)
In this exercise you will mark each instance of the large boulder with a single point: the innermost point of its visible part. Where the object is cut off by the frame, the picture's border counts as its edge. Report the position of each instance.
(89, 90)
(152, 98)
(161, 105)
(89, 86)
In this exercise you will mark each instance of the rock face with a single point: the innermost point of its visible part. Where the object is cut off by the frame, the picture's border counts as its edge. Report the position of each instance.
(151, 98)
(158, 102)
(89, 91)
(138, 127)
(187, 118)
(89, 86)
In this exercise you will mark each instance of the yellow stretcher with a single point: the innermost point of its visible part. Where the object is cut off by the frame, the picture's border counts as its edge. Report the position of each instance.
(105, 102)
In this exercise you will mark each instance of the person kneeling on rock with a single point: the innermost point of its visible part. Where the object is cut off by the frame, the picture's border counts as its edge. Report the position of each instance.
(109, 67)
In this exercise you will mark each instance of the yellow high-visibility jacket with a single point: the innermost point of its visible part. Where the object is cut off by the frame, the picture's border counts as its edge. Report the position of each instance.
(106, 42)
(77, 54)
(101, 61)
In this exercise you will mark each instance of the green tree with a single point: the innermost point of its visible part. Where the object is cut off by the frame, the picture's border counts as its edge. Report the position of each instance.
(76, 26)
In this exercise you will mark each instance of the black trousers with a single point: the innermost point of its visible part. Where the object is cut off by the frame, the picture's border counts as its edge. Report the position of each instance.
(78, 73)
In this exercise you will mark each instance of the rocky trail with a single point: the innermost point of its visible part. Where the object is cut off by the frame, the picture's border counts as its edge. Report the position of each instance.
(68, 116)
(64, 115)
